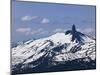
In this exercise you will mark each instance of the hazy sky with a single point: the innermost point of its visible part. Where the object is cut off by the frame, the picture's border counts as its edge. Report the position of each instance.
(38, 20)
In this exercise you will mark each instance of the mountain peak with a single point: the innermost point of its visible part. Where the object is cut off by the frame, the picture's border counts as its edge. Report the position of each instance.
(71, 31)
(53, 51)
(73, 28)
(76, 36)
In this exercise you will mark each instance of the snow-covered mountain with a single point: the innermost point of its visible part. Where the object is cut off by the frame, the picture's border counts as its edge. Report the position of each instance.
(54, 50)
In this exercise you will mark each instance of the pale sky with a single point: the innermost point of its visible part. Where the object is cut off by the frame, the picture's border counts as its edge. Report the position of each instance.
(38, 20)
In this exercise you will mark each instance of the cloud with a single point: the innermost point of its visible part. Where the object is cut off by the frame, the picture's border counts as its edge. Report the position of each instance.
(45, 20)
(23, 30)
(59, 30)
(30, 31)
(87, 30)
(28, 18)
(44, 32)
(36, 31)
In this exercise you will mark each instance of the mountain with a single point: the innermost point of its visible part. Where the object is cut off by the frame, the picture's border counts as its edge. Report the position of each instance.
(53, 53)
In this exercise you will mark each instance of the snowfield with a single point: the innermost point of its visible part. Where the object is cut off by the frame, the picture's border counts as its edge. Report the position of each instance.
(60, 47)
(32, 51)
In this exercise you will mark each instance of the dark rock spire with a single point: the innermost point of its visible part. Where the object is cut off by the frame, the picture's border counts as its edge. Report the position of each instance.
(73, 28)
(76, 36)
(73, 32)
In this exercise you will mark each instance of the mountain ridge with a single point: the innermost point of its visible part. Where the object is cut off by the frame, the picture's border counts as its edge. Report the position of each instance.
(57, 49)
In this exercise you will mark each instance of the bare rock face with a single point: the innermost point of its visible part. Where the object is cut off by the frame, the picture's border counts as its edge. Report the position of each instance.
(76, 35)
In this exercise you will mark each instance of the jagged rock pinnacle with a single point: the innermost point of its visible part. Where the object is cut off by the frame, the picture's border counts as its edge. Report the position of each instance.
(71, 31)
(73, 28)
(75, 34)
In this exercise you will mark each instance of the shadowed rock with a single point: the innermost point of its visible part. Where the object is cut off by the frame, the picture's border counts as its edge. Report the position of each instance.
(76, 36)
